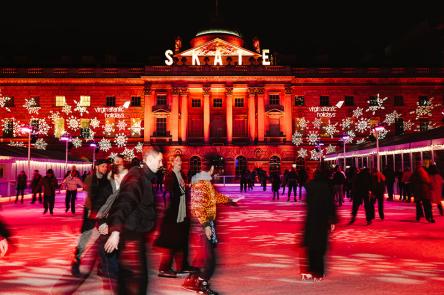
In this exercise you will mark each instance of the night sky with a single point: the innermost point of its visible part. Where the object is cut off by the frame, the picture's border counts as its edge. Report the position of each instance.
(364, 33)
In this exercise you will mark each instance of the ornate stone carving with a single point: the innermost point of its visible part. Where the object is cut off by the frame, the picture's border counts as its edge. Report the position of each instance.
(183, 90)
(260, 90)
(288, 89)
(228, 90)
(206, 90)
(252, 90)
(176, 90)
(147, 90)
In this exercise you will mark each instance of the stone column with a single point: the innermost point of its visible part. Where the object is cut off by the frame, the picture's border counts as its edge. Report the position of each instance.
(288, 128)
(206, 110)
(260, 114)
(174, 116)
(251, 114)
(183, 114)
(148, 113)
(229, 101)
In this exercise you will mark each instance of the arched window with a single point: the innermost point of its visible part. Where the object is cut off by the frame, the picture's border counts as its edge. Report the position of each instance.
(241, 164)
(275, 164)
(194, 165)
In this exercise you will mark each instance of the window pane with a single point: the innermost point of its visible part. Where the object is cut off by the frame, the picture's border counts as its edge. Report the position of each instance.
(85, 101)
(299, 100)
(161, 99)
(60, 101)
(217, 103)
(274, 99)
(239, 102)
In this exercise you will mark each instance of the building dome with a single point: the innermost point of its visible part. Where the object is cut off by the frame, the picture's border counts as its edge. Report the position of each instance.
(217, 30)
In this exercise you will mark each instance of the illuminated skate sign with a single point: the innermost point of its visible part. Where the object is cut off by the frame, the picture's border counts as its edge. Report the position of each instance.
(217, 52)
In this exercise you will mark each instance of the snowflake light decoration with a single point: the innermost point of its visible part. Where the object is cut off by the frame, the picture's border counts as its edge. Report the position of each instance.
(108, 129)
(54, 116)
(16, 143)
(31, 106)
(312, 138)
(302, 153)
(424, 110)
(391, 117)
(94, 123)
(316, 155)
(80, 109)
(346, 123)
(317, 123)
(73, 123)
(351, 135)
(330, 149)
(408, 125)
(139, 147)
(330, 129)
(104, 145)
(66, 109)
(358, 112)
(3, 101)
(360, 141)
(40, 144)
(128, 154)
(112, 156)
(136, 128)
(120, 139)
(362, 125)
(76, 142)
(382, 134)
(90, 136)
(297, 138)
(43, 127)
(121, 125)
(376, 104)
(302, 123)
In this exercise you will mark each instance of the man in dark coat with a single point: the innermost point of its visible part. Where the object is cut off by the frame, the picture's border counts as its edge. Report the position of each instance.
(302, 179)
(389, 181)
(21, 185)
(132, 216)
(292, 182)
(34, 183)
(361, 192)
(49, 184)
(175, 228)
(320, 218)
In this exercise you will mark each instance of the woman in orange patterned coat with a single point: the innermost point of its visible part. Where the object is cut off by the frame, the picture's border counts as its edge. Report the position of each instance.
(204, 199)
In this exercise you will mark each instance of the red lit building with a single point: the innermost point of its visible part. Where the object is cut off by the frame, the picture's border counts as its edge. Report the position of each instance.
(230, 102)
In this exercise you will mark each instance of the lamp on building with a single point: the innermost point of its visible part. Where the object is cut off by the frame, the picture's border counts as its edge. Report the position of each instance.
(376, 131)
(94, 146)
(28, 130)
(66, 138)
(344, 139)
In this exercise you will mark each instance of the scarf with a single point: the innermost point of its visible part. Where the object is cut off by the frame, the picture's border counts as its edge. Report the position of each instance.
(182, 213)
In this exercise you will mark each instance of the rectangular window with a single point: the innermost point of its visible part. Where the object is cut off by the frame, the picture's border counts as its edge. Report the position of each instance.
(399, 126)
(239, 102)
(274, 99)
(136, 127)
(372, 101)
(349, 101)
(299, 101)
(59, 127)
(324, 101)
(217, 102)
(398, 100)
(424, 125)
(85, 132)
(10, 102)
(195, 103)
(60, 101)
(161, 126)
(85, 101)
(8, 128)
(110, 101)
(423, 100)
(161, 100)
(135, 101)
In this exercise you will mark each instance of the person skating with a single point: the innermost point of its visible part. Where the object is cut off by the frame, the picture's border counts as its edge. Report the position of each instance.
(21, 185)
(320, 219)
(377, 188)
(204, 199)
(275, 184)
(436, 187)
(131, 218)
(34, 183)
(421, 182)
(175, 227)
(49, 184)
(292, 183)
(71, 183)
(361, 192)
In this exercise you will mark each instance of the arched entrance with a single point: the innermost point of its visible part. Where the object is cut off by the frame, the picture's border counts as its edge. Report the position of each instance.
(275, 164)
(241, 165)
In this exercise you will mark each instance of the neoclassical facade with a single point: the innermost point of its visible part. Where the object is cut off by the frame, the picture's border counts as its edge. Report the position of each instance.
(219, 97)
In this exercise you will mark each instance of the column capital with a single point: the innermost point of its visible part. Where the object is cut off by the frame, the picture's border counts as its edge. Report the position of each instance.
(260, 90)
(288, 89)
(176, 91)
(183, 90)
(228, 90)
(206, 90)
(251, 90)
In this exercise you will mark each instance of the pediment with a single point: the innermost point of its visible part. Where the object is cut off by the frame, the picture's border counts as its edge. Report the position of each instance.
(211, 47)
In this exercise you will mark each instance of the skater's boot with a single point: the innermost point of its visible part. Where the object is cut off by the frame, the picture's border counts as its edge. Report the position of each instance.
(306, 276)
(204, 288)
(75, 267)
(192, 282)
